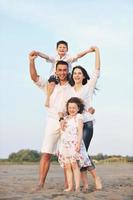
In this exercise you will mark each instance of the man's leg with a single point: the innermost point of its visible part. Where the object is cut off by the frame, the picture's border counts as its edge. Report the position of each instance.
(43, 169)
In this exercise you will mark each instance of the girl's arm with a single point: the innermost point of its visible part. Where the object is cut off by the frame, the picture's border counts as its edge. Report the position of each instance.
(80, 134)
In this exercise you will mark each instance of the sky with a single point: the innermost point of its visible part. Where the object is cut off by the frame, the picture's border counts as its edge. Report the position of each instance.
(38, 25)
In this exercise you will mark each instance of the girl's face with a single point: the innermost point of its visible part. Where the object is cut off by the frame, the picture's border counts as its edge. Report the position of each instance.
(78, 76)
(73, 109)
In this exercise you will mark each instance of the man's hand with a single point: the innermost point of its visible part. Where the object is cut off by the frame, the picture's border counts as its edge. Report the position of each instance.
(91, 110)
(63, 125)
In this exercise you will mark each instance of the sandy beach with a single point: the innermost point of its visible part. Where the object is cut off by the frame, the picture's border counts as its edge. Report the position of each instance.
(18, 181)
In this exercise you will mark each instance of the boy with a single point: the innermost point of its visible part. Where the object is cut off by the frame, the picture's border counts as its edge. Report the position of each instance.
(62, 54)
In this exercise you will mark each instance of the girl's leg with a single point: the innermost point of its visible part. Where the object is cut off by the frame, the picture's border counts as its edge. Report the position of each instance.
(76, 172)
(69, 177)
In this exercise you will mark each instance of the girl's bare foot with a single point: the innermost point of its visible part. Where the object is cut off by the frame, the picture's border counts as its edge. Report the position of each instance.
(68, 190)
(77, 189)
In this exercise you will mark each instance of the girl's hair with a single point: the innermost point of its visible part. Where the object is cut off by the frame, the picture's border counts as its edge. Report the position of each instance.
(86, 76)
(78, 102)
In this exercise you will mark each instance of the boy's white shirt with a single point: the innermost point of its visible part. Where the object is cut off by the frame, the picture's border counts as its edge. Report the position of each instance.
(67, 58)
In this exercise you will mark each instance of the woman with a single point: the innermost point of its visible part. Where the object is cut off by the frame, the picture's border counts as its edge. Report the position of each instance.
(83, 87)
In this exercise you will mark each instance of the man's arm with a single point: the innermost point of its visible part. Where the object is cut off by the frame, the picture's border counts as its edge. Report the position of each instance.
(33, 72)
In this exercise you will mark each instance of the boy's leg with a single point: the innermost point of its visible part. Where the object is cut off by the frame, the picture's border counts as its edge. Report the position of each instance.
(50, 88)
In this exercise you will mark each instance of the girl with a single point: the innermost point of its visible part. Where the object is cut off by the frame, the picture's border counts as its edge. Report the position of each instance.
(72, 154)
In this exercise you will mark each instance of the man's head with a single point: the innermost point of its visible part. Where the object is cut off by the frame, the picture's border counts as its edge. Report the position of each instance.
(62, 70)
(62, 48)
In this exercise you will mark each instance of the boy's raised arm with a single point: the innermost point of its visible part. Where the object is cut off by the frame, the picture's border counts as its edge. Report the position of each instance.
(42, 55)
(83, 53)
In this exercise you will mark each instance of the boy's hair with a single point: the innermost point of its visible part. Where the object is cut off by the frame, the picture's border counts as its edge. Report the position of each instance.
(77, 101)
(62, 42)
(61, 62)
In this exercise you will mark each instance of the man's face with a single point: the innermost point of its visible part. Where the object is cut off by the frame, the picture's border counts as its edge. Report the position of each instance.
(61, 72)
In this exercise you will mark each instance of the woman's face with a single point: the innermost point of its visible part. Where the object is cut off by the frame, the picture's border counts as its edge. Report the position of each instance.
(78, 76)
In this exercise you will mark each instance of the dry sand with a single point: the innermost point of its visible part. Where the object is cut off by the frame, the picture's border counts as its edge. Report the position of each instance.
(17, 182)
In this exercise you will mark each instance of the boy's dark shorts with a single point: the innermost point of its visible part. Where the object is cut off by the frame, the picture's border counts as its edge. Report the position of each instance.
(55, 79)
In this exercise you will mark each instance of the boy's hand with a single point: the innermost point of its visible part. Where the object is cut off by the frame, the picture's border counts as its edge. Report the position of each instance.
(91, 110)
(32, 55)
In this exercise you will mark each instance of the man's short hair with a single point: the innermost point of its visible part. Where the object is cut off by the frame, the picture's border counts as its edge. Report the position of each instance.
(61, 62)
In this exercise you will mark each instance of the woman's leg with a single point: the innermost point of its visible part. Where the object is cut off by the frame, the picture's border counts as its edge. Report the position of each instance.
(87, 136)
(84, 179)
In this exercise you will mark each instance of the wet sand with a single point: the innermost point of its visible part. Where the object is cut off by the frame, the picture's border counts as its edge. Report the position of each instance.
(18, 181)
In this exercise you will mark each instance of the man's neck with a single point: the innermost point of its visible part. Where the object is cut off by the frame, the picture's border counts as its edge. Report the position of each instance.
(63, 82)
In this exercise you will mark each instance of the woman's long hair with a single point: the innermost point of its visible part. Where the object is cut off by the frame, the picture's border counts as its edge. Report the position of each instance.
(85, 74)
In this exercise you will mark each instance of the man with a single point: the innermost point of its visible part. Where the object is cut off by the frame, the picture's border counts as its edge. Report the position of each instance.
(52, 129)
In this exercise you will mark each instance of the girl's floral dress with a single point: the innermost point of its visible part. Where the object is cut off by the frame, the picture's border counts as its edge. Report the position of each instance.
(67, 145)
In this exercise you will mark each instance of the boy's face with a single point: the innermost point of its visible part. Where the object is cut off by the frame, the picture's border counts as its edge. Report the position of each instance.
(62, 49)
(61, 72)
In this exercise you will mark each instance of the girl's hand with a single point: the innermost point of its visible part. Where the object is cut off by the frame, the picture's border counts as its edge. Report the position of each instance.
(77, 147)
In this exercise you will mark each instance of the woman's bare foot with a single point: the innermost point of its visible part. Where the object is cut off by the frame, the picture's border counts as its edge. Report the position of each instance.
(85, 189)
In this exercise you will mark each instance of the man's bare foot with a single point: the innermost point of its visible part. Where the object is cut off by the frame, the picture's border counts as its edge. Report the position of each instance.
(37, 188)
